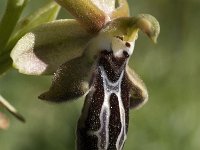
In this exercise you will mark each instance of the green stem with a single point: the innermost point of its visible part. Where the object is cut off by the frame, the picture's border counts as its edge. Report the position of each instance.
(88, 14)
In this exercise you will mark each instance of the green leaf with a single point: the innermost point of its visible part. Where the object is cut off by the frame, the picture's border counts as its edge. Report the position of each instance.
(48, 46)
(9, 20)
(11, 109)
(87, 13)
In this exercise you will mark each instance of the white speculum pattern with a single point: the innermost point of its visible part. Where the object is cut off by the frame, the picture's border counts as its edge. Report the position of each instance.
(117, 46)
(109, 88)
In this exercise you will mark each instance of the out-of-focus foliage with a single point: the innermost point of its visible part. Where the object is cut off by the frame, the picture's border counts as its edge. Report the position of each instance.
(170, 69)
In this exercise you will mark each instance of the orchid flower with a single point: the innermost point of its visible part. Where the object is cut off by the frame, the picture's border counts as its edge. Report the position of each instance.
(89, 56)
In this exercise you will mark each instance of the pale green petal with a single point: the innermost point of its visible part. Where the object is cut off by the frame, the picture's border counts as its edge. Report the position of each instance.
(70, 81)
(48, 46)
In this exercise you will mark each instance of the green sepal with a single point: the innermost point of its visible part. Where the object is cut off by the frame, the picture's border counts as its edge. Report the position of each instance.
(48, 46)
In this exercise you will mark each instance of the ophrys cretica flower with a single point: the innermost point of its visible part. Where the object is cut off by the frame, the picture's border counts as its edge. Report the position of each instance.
(89, 56)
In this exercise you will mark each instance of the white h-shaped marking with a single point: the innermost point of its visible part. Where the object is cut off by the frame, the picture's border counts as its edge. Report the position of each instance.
(109, 88)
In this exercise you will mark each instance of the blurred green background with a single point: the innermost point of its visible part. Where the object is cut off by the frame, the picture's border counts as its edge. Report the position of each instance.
(170, 69)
